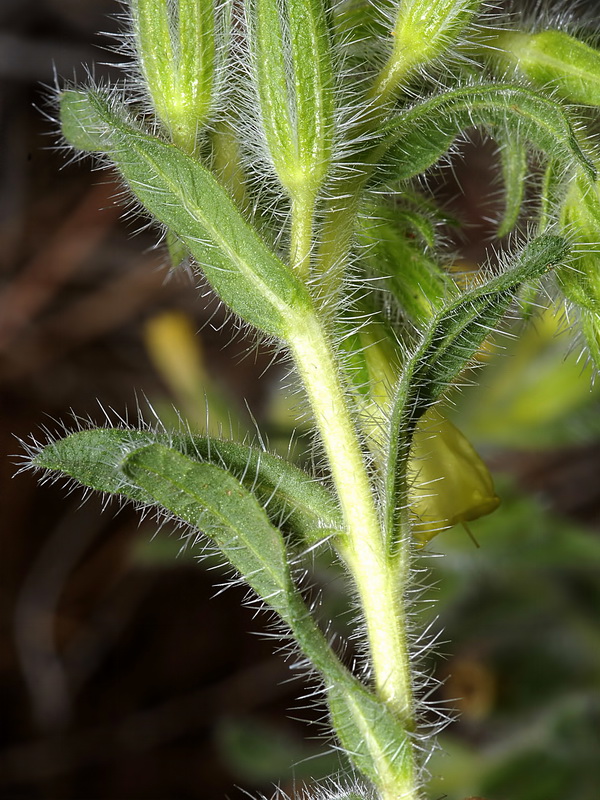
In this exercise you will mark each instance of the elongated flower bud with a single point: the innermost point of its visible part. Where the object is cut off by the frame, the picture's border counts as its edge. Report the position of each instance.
(176, 51)
(553, 58)
(423, 31)
(451, 483)
(293, 76)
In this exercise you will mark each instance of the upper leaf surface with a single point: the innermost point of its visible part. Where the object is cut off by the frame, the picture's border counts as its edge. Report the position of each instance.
(210, 499)
(419, 137)
(293, 499)
(447, 347)
(186, 197)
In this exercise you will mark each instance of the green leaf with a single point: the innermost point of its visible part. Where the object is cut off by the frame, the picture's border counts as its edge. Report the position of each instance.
(375, 740)
(419, 137)
(294, 500)
(186, 197)
(81, 125)
(93, 458)
(514, 174)
(447, 347)
(457, 331)
(293, 74)
(210, 499)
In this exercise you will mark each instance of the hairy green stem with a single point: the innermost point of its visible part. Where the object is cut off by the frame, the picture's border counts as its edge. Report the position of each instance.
(303, 204)
(375, 573)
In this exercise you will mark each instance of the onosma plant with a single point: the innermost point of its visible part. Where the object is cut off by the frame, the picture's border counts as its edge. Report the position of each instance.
(283, 146)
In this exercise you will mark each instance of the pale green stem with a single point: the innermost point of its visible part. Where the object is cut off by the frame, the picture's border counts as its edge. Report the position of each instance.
(374, 572)
(185, 139)
(303, 204)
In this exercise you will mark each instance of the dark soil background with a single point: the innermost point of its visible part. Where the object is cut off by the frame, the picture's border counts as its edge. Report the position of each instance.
(118, 674)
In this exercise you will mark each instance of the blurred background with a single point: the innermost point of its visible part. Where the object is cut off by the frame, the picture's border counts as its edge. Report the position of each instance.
(122, 676)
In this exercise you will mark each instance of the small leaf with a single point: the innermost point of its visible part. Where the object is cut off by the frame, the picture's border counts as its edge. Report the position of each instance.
(187, 198)
(418, 138)
(514, 174)
(458, 329)
(447, 347)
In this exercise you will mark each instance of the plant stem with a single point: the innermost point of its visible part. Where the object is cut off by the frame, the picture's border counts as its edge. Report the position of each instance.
(374, 571)
(301, 232)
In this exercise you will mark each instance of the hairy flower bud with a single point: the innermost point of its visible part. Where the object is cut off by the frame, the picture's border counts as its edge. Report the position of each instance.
(553, 58)
(176, 51)
(422, 34)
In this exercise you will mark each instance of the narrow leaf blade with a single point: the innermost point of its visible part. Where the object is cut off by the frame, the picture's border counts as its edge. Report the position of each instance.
(447, 347)
(210, 499)
(417, 139)
(294, 501)
(187, 198)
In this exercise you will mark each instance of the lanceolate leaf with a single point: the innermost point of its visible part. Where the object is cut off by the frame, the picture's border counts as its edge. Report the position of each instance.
(293, 499)
(514, 174)
(210, 499)
(186, 197)
(419, 137)
(299, 502)
(447, 347)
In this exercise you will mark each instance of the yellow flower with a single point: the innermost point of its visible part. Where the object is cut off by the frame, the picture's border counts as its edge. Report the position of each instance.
(450, 482)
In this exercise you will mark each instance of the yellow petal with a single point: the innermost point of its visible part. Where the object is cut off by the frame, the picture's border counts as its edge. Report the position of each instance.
(450, 482)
